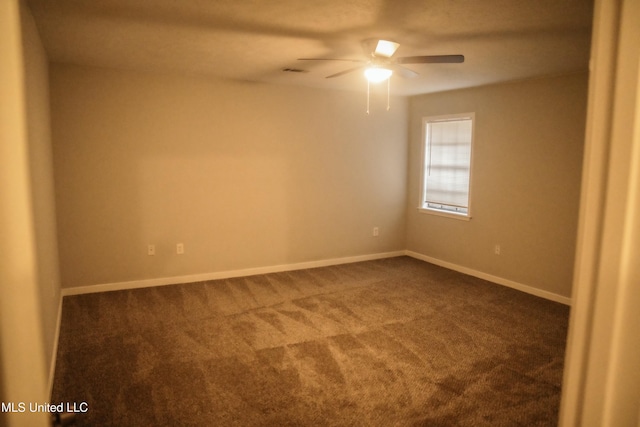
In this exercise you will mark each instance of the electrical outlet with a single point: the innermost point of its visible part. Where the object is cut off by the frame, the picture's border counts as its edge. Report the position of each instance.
(376, 231)
(180, 248)
(151, 250)
(496, 249)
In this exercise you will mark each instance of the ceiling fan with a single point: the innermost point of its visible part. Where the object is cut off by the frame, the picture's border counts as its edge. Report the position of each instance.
(380, 63)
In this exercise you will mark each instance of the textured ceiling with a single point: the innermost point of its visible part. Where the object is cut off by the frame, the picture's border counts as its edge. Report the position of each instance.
(253, 40)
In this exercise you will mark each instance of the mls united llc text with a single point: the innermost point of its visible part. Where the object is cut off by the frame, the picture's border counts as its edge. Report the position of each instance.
(44, 407)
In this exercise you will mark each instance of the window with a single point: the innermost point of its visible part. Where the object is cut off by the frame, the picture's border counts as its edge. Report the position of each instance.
(446, 167)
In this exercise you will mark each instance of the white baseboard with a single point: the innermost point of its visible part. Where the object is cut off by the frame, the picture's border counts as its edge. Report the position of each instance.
(162, 281)
(495, 279)
(145, 283)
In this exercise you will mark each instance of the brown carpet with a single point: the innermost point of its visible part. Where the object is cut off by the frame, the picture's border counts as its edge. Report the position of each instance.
(393, 342)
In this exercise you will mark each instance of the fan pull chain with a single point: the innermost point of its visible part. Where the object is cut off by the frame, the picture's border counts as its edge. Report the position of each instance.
(388, 95)
(368, 85)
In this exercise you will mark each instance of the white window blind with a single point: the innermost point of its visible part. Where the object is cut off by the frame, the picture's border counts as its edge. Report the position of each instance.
(447, 164)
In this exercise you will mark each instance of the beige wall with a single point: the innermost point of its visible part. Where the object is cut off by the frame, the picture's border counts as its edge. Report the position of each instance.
(601, 385)
(525, 186)
(41, 176)
(245, 175)
(23, 362)
(249, 175)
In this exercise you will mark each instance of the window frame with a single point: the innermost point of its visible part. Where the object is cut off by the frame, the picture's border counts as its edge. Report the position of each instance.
(422, 204)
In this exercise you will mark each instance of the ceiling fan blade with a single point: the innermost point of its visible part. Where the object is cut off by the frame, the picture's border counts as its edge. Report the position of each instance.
(404, 72)
(344, 72)
(431, 59)
(330, 59)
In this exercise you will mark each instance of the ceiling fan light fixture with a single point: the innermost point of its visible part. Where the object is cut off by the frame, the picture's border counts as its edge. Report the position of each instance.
(377, 74)
(386, 48)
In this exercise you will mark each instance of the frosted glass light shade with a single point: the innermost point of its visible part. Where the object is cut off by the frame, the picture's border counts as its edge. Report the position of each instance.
(377, 75)
(386, 48)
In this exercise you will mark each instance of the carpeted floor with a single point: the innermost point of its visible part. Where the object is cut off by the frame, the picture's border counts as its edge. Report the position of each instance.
(393, 342)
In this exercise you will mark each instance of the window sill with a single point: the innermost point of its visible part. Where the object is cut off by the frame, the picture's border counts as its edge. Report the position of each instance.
(463, 217)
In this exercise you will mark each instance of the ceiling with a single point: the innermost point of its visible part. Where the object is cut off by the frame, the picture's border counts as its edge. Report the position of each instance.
(254, 40)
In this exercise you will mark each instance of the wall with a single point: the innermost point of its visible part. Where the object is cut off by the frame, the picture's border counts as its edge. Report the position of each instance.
(22, 353)
(41, 177)
(525, 186)
(601, 385)
(245, 175)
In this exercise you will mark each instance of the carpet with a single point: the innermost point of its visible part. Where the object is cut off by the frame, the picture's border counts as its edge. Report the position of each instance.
(391, 342)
